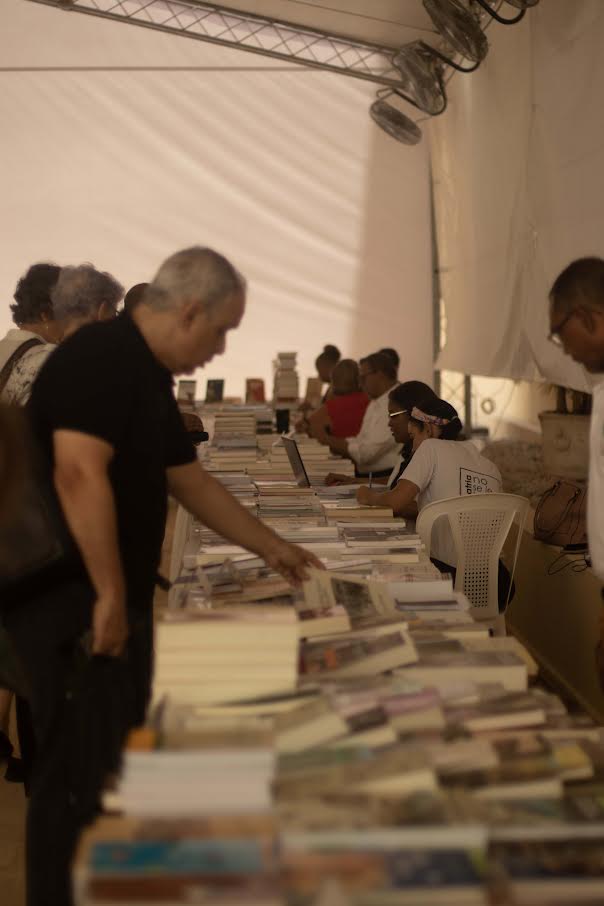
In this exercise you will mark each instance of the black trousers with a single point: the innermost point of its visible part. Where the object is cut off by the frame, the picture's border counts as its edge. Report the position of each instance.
(81, 709)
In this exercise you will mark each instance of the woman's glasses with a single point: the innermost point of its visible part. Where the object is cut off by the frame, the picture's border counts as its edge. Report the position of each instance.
(400, 412)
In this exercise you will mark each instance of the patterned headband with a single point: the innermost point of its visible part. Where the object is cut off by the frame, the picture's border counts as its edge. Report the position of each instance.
(420, 416)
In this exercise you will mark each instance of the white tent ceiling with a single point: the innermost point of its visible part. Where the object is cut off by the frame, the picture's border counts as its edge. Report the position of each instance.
(123, 144)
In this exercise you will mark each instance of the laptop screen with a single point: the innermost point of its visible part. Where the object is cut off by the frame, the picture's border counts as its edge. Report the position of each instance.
(295, 461)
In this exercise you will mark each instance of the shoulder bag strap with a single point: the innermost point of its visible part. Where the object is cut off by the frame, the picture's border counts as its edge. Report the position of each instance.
(18, 354)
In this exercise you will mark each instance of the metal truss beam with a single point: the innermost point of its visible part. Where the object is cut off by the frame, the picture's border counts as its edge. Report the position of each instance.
(258, 34)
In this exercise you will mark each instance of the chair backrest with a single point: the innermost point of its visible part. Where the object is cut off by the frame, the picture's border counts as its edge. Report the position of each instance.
(479, 526)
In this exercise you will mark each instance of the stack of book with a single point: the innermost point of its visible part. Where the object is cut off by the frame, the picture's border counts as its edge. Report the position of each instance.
(238, 484)
(234, 428)
(285, 381)
(342, 511)
(222, 655)
(415, 759)
(287, 505)
(165, 861)
(197, 816)
(202, 767)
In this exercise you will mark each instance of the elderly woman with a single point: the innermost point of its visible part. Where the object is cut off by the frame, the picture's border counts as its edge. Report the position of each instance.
(51, 303)
(82, 295)
(25, 347)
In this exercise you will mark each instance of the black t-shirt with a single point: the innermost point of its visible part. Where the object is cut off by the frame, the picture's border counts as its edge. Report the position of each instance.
(104, 381)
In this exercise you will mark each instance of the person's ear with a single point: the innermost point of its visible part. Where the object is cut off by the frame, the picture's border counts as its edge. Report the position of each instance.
(587, 318)
(188, 313)
(592, 319)
(596, 322)
(104, 311)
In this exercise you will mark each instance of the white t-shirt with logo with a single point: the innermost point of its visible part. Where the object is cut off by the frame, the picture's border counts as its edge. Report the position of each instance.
(449, 468)
(595, 487)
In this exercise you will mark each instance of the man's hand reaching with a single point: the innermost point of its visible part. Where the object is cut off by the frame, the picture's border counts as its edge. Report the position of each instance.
(291, 561)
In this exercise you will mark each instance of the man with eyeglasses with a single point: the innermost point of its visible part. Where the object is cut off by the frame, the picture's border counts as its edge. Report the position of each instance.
(577, 325)
(373, 451)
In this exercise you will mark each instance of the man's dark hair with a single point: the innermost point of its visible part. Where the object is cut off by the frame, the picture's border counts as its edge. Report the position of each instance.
(393, 355)
(412, 393)
(581, 283)
(379, 361)
(32, 295)
(134, 296)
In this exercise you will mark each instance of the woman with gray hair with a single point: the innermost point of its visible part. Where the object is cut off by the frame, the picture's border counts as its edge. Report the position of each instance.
(82, 295)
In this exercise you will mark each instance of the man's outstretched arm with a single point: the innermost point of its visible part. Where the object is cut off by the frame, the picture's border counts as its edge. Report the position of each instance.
(212, 504)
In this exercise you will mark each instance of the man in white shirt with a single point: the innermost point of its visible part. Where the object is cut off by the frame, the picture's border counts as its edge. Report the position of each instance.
(577, 324)
(374, 449)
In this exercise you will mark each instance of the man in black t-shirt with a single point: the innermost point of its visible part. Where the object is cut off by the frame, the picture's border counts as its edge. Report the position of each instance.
(104, 414)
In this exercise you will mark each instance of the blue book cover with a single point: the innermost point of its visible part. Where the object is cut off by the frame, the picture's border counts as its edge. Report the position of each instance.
(215, 857)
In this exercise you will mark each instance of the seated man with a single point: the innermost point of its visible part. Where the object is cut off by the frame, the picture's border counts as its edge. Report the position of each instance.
(392, 354)
(374, 450)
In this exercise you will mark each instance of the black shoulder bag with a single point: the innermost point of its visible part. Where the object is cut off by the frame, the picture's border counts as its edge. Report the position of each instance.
(34, 538)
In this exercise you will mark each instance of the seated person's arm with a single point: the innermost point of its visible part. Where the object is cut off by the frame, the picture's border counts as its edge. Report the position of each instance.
(401, 500)
(364, 451)
(211, 503)
(83, 487)
(333, 478)
(319, 425)
(339, 445)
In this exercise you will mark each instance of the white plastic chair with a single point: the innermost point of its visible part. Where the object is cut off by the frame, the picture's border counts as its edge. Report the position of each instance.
(479, 526)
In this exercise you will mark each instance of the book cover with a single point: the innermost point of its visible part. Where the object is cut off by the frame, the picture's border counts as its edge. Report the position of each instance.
(186, 856)
(363, 600)
(357, 657)
(254, 390)
(185, 391)
(214, 390)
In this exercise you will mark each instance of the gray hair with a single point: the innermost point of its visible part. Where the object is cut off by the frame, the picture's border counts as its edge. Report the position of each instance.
(194, 275)
(80, 291)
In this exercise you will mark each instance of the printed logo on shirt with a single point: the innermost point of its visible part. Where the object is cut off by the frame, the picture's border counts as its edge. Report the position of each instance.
(471, 482)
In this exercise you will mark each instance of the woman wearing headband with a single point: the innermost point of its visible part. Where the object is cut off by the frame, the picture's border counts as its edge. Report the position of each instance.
(401, 401)
(441, 467)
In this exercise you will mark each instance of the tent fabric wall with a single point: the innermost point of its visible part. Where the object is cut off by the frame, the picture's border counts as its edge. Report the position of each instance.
(517, 164)
(112, 155)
